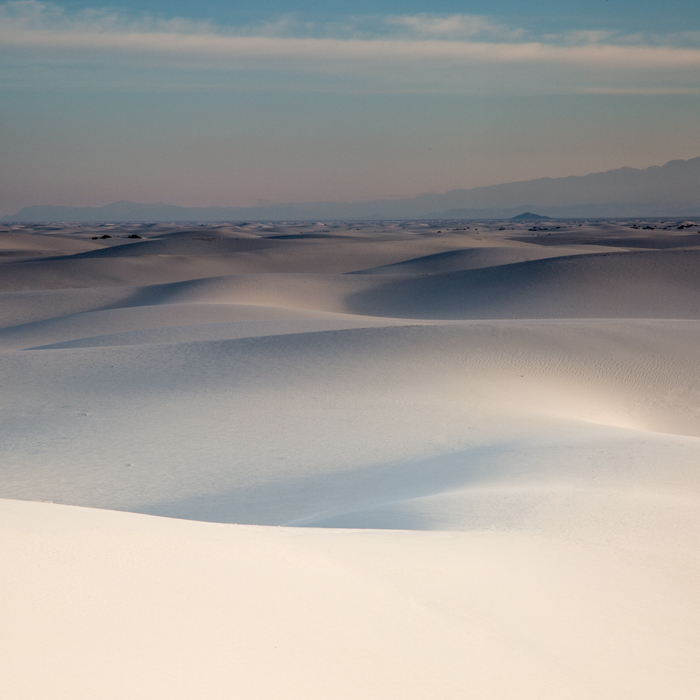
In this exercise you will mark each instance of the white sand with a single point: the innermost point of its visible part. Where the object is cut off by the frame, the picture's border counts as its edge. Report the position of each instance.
(493, 446)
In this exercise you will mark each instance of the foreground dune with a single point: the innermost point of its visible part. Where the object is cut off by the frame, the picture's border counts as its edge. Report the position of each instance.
(479, 450)
(116, 605)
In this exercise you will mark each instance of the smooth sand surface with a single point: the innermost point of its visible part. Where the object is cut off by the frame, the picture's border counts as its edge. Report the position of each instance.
(331, 460)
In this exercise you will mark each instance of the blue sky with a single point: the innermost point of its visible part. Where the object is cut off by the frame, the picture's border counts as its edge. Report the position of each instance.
(540, 15)
(237, 103)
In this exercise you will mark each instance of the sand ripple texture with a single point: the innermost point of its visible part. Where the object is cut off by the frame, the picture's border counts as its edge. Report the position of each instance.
(350, 460)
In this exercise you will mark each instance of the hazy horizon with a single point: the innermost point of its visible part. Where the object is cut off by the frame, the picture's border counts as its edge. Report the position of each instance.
(203, 105)
(668, 190)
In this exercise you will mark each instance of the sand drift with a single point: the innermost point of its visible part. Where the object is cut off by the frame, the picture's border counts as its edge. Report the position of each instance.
(395, 461)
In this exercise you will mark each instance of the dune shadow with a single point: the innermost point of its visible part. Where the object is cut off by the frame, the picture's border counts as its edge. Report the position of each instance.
(640, 284)
(305, 500)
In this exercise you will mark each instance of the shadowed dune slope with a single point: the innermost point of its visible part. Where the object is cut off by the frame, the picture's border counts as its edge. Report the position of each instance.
(475, 258)
(174, 323)
(19, 244)
(161, 261)
(190, 244)
(615, 285)
(211, 417)
(652, 241)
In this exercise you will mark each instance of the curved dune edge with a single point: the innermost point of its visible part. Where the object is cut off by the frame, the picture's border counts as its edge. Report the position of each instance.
(173, 608)
(128, 426)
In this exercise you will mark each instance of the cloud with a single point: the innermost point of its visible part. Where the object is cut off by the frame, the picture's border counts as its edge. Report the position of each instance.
(456, 53)
(453, 27)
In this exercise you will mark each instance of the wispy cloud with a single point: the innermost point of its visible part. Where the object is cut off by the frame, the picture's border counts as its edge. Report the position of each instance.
(456, 27)
(423, 52)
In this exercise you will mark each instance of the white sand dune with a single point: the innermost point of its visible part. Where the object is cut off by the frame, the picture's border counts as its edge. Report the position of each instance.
(480, 456)
(194, 255)
(476, 258)
(649, 284)
(120, 605)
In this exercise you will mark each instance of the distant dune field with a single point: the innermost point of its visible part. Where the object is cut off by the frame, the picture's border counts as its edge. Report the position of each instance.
(350, 460)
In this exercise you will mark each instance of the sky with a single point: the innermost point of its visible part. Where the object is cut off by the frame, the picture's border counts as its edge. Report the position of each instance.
(241, 103)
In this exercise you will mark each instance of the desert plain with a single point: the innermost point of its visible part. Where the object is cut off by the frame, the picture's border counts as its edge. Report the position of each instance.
(455, 460)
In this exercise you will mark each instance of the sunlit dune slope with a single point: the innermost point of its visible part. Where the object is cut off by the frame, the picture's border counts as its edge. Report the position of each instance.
(126, 426)
(120, 605)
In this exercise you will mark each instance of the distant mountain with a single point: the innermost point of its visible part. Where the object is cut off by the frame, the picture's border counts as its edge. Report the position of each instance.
(527, 216)
(669, 190)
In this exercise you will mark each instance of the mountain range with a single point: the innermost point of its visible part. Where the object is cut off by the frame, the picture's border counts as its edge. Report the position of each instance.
(669, 190)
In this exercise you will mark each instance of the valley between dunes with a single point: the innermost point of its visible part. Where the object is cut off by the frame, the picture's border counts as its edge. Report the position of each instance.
(261, 461)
